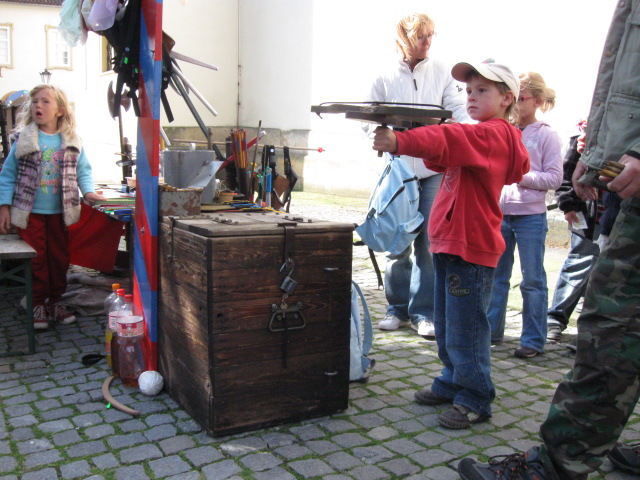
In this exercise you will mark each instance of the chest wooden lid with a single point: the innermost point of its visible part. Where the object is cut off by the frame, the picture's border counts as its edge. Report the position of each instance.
(232, 224)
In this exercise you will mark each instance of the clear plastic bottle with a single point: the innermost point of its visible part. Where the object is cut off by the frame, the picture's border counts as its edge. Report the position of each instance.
(129, 349)
(110, 331)
(110, 299)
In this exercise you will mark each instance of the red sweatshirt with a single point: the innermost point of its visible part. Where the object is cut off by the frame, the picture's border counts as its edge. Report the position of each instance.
(477, 161)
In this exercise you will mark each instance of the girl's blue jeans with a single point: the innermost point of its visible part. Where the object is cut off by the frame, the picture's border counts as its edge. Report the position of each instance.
(529, 233)
(462, 293)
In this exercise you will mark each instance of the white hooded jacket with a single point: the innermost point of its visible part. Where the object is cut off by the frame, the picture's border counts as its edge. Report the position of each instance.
(430, 82)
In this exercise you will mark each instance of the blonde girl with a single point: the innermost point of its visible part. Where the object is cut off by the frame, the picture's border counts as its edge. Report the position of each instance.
(39, 194)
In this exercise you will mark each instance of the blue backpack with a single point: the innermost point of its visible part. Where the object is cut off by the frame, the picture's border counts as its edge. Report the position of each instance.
(393, 220)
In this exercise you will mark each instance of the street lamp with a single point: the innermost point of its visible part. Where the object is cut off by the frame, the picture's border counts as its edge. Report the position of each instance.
(45, 75)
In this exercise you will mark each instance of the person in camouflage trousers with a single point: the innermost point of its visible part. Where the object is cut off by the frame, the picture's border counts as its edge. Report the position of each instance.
(593, 403)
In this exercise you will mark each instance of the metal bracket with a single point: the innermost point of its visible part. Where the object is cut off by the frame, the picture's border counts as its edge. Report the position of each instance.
(290, 318)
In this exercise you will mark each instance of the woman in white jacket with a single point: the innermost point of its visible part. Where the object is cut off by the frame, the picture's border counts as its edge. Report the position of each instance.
(416, 78)
(525, 221)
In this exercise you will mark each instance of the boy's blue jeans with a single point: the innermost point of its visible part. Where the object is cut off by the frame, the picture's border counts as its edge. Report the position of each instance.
(529, 233)
(462, 293)
(408, 279)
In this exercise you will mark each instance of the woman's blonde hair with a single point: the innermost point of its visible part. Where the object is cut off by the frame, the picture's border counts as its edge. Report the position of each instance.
(408, 29)
(66, 124)
(534, 82)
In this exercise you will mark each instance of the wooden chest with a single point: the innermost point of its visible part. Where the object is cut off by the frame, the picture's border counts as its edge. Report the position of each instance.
(232, 352)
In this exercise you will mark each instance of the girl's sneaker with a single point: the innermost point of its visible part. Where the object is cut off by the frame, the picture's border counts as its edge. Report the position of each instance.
(40, 318)
(58, 313)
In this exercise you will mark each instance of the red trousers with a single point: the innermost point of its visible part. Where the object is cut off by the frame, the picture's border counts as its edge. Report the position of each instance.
(49, 237)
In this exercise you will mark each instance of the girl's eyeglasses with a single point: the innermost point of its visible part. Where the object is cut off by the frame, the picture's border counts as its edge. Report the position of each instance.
(522, 99)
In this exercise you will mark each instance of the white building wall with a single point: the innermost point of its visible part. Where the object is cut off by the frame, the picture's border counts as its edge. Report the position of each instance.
(276, 58)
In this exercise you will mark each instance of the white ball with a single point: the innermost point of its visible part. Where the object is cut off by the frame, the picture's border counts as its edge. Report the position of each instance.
(150, 382)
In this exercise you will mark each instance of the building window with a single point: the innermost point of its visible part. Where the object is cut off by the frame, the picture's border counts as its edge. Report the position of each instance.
(58, 50)
(5, 45)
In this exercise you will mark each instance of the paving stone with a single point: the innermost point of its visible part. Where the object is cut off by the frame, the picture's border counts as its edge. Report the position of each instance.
(38, 459)
(55, 426)
(311, 468)
(176, 444)
(202, 455)
(369, 472)
(35, 445)
(138, 454)
(23, 421)
(58, 413)
(171, 465)
(274, 474)
(159, 419)
(7, 463)
(291, 452)
(161, 431)
(75, 469)
(66, 438)
(221, 470)
(400, 467)
(134, 472)
(342, 461)
(44, 474)
(106, 461)
(322, 447)
(86, 448)
(349, 440)
(243, 446)
(278, 439)
(88, 420)
(99, 431)
(307, 432)
(260, 461)
(122, 441)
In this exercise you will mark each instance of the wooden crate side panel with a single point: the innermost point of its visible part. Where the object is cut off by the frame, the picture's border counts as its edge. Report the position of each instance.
(183, 259)
(241, 252)
(183, 353)
(253, 396)
(246, 337)
(265, 283)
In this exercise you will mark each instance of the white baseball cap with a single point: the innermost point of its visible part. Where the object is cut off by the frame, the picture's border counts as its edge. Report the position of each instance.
(489, 70)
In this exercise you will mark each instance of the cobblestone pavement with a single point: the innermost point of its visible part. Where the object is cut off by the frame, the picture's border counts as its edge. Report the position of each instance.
(54, 423)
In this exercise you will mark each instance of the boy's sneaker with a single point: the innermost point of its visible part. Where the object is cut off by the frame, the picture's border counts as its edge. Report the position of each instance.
(424, 329)
(58, 313)
(554, 333)
(428, 397)
(392, 322)
(40, 318)
(517, 466)
(626, 457)
(459, 416)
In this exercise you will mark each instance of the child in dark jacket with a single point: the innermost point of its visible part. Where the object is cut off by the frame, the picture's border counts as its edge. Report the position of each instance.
(464, 231)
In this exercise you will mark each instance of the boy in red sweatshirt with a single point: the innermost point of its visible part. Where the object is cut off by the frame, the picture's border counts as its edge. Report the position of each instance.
(464, 231)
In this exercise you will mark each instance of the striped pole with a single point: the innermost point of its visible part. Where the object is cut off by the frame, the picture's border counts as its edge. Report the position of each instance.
(145, 242)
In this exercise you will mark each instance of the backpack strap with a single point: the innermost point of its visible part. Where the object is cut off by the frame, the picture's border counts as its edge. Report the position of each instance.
(374, 261)
(367, 337)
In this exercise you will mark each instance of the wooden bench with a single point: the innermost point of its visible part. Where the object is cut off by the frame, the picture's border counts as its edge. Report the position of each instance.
(18, 254)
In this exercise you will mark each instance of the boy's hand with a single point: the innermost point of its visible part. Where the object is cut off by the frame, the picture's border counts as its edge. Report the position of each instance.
(92, 197)
(385, 140)
(5, 219)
